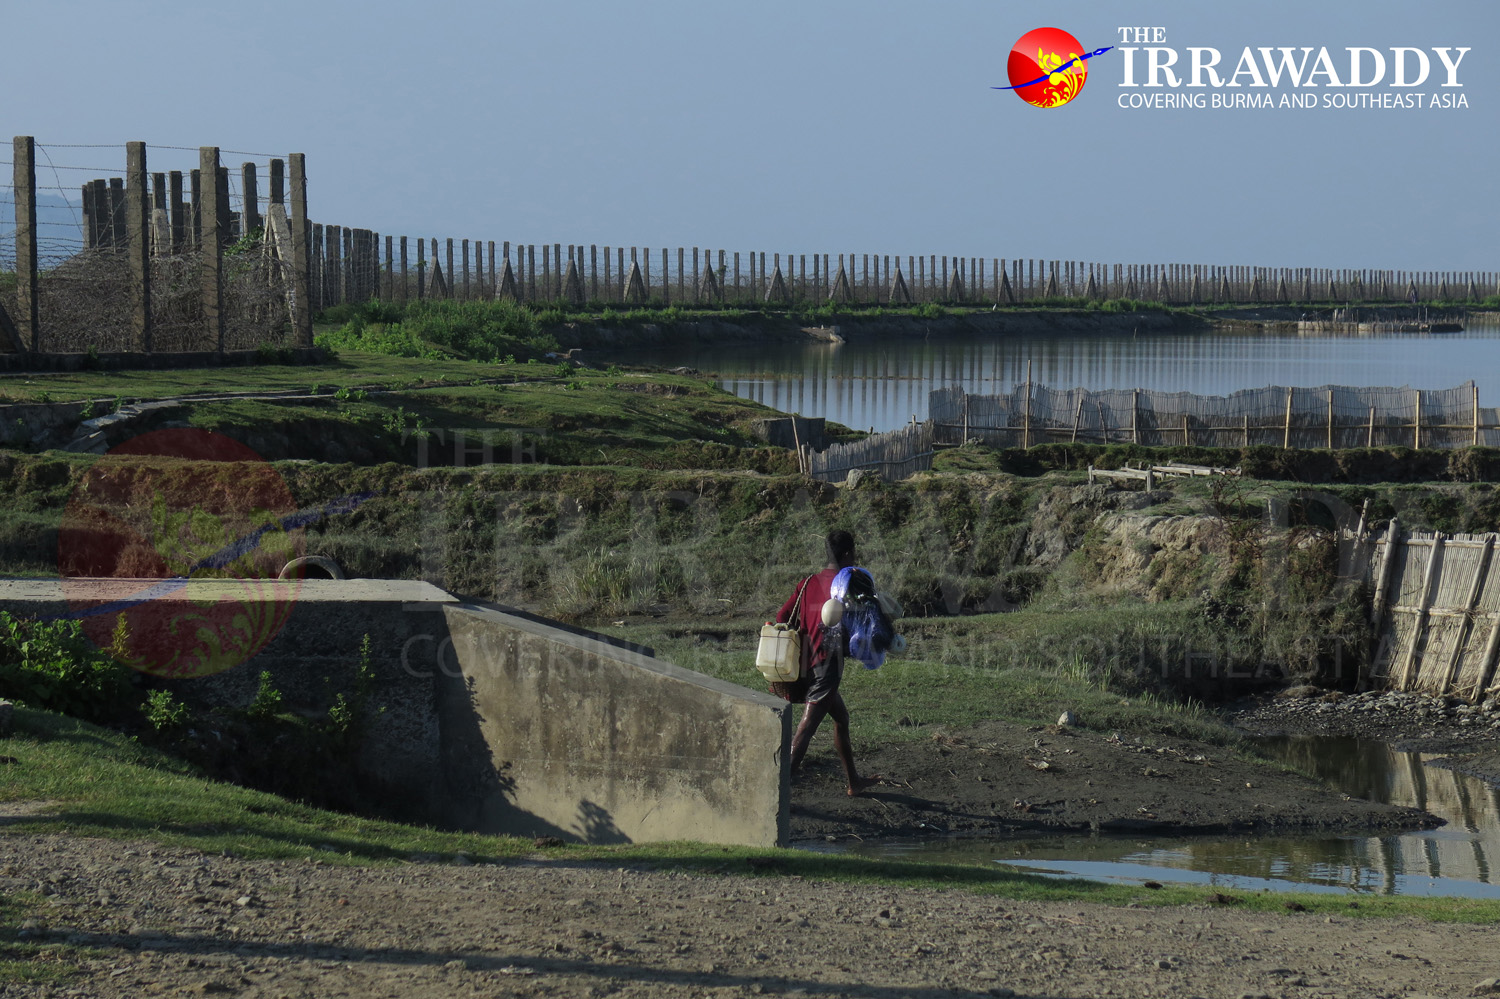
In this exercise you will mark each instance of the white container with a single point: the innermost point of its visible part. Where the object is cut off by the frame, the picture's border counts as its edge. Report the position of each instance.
(779, 656)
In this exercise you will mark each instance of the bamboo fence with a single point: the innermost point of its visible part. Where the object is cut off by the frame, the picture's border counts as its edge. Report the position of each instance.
(893, 456)
(1436, 611)
(1328, 416)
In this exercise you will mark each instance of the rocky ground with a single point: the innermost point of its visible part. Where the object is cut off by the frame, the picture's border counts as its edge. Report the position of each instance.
(1408, 721)
(154, 921)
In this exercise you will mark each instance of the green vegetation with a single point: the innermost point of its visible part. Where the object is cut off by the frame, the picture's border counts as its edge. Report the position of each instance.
(53, 665)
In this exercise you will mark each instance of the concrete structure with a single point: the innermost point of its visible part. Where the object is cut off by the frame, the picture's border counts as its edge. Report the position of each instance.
(497, 721)
(570, 736)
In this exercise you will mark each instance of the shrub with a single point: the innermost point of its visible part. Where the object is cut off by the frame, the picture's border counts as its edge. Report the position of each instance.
(267, 702)
(164, 713)
(53, 665)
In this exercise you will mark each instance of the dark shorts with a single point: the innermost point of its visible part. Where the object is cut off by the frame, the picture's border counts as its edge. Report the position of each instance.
(825, 678)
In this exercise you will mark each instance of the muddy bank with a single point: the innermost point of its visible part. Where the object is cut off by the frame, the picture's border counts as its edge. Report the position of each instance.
(1002, 779)
(792, 328)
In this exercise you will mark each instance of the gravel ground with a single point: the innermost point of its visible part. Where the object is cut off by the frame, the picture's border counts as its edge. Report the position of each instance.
(162, 921)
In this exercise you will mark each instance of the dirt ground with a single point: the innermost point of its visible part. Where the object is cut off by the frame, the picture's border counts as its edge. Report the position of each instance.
(1007, 780)
(174, 922)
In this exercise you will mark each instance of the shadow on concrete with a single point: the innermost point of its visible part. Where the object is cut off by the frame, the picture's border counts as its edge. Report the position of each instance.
(480, 793)
(613, 972)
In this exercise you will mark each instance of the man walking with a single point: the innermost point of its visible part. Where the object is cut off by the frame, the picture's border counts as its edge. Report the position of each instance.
(826, 659)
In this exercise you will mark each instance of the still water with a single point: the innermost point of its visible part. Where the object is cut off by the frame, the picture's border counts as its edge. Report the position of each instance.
(1461, 858)
(880, 383)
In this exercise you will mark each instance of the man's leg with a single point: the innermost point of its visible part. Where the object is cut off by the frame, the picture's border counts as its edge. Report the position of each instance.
(812, 717)
(841, 745)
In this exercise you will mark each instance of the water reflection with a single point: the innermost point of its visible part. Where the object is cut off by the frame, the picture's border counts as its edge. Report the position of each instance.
(881, 382)
(1455, 859)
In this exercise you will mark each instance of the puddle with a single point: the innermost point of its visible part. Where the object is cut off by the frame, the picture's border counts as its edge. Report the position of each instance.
(1457, 859)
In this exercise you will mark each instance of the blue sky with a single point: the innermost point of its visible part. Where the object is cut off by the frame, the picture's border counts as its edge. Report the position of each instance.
(828, 126)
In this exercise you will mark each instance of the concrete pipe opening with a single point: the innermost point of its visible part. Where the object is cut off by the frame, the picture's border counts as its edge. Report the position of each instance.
(311, 567)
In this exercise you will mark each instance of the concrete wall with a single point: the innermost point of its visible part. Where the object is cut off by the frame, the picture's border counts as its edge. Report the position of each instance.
(546, 732)
(505, 723)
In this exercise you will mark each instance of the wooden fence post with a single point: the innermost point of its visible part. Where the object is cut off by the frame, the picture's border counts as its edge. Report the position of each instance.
(421, 268)
(1383, 573)
(401, 288)
(1409, 668)
(1135, 414)
(1475, 441)
(1466, 626)
(178, 210)
(1026, 423)
(1417, 427)
(1330, 419)
(211, 239)
(28, 314)
(302, 330)
(1286, 437)
(1370, 438)
(138, 239)
(388, 282)
(1077, 419)
(249, 199)
(117, 212)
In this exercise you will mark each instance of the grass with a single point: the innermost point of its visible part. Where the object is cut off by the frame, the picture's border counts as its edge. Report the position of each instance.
(101, 784)
(1025, 667)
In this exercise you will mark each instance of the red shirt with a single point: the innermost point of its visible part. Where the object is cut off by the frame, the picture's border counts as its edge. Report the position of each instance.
(813, 597)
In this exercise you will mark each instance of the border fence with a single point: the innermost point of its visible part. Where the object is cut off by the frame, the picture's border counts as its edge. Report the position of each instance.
(212, 258)
(1328, 416)
(153, 262)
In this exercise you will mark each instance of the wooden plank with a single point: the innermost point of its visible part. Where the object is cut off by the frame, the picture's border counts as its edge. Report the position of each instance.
(1408, 668)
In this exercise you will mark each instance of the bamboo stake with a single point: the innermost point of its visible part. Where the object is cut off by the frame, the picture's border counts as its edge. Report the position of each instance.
(1487, 662)
(1286, 437)
(1383, 574)
(1026, 425)
(1247, 429)
(1185, 439)
(1103, 423)
(1418, 425)
(1467, 625)
(1409, 668)
(1077, 419)
(1475, 441)
(797, 440)
(1330, 419)
(1135, 411)
(1370, 440)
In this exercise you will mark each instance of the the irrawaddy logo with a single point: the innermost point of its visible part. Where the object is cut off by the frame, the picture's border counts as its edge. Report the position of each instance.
(1048, 67)
(194, 527)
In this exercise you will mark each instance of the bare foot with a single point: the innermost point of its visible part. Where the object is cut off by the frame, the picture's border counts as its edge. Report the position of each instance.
(861, 784)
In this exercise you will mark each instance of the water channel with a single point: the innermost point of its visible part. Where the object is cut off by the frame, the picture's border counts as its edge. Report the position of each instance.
(1461, 858)
(880, 383)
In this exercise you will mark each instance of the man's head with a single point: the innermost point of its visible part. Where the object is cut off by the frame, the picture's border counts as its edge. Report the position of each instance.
(840, 549)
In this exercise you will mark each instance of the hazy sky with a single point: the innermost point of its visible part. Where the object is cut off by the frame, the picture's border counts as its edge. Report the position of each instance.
(820, 126)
